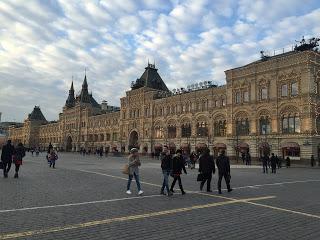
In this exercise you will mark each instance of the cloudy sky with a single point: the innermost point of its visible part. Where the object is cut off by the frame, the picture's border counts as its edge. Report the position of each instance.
(44, 43)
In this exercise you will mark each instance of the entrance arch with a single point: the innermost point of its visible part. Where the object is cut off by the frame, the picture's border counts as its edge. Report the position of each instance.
(133, 140)
(69, 144)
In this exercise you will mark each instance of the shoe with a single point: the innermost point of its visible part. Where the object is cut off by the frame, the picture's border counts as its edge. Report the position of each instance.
(209, 190)
(171, 190)
(220, 192)
(16, 175)
(128, 192)
(140, 192)
(162, 193)
(230, 190)
(5, 175)
(183, 192)
(170, 194)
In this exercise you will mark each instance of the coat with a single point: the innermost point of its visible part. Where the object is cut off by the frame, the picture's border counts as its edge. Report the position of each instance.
(206, 164)
(178, 165)
(273, 161)
(134, 163)
(166, 162)
(223, 165)
(20, 152)
(7, 152)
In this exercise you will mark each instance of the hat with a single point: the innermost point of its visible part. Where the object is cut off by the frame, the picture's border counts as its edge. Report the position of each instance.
(133, 150)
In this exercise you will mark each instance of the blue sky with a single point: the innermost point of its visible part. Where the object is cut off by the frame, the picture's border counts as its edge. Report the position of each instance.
(44, 43)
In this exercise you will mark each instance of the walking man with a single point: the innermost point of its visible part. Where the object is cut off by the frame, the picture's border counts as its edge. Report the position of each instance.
(265, 161)
(273, 161)
(206, 168)
(312, 161)
(223, 165)
(178, 165)
(20, 152)
(166, 166)
(6, 157)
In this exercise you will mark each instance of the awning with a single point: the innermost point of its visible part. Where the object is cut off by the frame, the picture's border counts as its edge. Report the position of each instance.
(220, 146)
(290, 145)
(264, 145)
(201, 145)
(242, 145)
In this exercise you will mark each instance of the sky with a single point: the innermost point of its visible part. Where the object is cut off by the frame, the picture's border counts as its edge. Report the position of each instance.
(44, 44)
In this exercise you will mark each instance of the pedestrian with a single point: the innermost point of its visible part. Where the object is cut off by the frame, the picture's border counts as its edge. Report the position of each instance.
(32, 150)
(166, 166)
(273, 161)
(265, 161)
(53, 157)
(206, 168)
(288, 162)
(248, 158)
(37, 151)
(223, 165)
(19, 154)
(178, 165)
(312, 161)
(6, 157)
(193, 159)
(243, 157)
(134, 164)
(279, 162)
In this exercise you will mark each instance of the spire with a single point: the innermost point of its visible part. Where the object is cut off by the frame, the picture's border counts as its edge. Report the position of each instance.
(72, 89)
(71, 100)
(84, 95)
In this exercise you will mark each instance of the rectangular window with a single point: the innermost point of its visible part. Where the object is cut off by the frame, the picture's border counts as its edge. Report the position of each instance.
(264, 93)
(284, 90)
(216, 103)
(291, 124)
(238, 97)
(297, 124)
(294, 89)
(246, 96)
(285, 125)
(223, 102)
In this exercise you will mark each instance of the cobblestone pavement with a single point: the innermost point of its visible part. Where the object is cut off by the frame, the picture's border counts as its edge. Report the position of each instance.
(84, 198)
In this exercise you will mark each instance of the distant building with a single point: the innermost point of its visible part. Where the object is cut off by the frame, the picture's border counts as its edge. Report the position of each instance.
(270, 105)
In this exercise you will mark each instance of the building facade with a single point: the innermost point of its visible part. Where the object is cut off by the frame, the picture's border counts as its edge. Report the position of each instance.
(271, 105)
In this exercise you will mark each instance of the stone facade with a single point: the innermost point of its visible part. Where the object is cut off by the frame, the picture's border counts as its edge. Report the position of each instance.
(268, 105)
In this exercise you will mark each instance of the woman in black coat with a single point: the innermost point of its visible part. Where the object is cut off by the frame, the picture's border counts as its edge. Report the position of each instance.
(206, 168)
(19, 154)
(177, 166)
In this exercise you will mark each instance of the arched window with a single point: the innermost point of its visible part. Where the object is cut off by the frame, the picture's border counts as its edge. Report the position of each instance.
(202, 129)
(186, 130)
(158, 132)
(242, 127)
(220, 128)
(265, 125)
(172, 131)
(290, 124)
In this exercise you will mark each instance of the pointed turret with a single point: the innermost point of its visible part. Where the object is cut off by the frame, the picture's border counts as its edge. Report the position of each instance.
(84, 95)
(71, 100)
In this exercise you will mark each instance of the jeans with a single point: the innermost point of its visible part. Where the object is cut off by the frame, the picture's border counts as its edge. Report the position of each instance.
(6, 167)
(136, 177)
(226, 177)
(265, 168)
(174, 182)
(165, 184)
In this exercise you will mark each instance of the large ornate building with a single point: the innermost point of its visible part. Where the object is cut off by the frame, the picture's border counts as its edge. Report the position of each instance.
(268, 105)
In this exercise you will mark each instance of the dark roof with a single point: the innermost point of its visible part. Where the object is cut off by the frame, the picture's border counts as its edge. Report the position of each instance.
(150, 78)
(94, 102)
(36, 114)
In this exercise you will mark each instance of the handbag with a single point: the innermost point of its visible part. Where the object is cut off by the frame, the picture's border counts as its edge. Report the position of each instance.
(125, 169)
(200, 177)
(1, 165)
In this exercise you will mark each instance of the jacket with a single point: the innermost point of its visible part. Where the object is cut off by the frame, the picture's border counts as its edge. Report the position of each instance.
(166, 162)
(7, 152)
(178, 165)
(20, 152)
(206, 164)
(133, 164)
(223, 164)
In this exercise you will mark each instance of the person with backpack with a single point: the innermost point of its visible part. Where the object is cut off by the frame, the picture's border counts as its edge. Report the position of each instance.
(178, 165)
(206, 168)
(133, 167)
(223, 165)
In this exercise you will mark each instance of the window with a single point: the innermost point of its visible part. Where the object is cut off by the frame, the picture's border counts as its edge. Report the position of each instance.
(202, 129)
(186, 130)
(172, 131)
(294, 89)
(220, 128)
(238, 97)
(291, 124)
(246, 96)
(242, 127)
(265, 125)
(159, 132)
(108, 136)
(284, 90)
(115, 136)
(223, 102)
(216, 103)
(263, 93)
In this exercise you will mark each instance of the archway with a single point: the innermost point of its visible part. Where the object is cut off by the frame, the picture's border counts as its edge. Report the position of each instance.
(133, 140)
(69, 144)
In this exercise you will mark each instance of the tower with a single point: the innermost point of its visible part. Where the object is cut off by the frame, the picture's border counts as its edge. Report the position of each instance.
(71, 100)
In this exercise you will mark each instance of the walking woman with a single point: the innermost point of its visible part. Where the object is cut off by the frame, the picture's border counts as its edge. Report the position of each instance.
(53, 157)
(134, 164)
(177, 166)
(206, 168)
(19, 154)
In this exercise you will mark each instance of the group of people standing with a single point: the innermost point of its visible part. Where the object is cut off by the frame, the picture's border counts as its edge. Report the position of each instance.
(172, 165)
(11, 154)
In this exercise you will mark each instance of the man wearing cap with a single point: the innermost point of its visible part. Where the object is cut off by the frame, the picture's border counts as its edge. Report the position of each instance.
(134, 164)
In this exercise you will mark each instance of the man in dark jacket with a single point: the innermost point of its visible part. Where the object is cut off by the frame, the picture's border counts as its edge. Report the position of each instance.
(6, 157)
(206, 168)
(265, 161)
(223, 165)
(178, 165)
(273, 161)
(166, 166)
